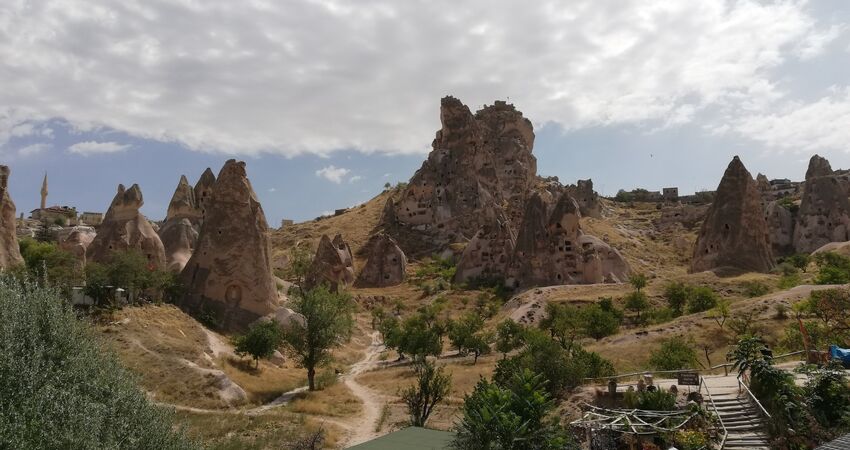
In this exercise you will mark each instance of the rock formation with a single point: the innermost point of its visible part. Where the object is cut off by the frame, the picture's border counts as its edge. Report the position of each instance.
(734, 232)
(586, 197)
(10, 253)
(332, 265)
(824, 214)
(780, 225)
(203, 191)
(229, 273)
(385, 265)
(489, 252)
(477, 160)
(551, 249)
(125, 228)
(179, 232)
(684, 215)
(77, 243)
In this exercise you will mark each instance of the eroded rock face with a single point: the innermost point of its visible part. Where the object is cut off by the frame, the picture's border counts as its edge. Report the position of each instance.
(488, 254)
(179, 232)
(552, 249)
(125, 228)
(734, 232)
(385, 265)
(684, 215)
(203, 191)
(332, 265)
(77, 243)
(229, 273)
(824, 214)
(10, 253)
(477, 160)
(780, 224)
(588, 200)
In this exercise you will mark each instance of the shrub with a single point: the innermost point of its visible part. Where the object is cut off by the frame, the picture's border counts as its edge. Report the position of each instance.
(431, 387)
(656, 400)
(600, 321)
(673, 354)
(789, 280)
(61, 389)
(755, 289)
(661, 315)
(832, 268)
(676, 294)
(702, 298)
(637, 302)
(781, 311)
(691, 439)
(260, 341)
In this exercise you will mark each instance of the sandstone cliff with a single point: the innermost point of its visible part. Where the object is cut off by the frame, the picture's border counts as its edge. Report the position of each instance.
(10, 253)
(824, 214)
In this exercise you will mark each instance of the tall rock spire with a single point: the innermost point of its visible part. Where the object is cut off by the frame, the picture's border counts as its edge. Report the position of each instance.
(734, 232)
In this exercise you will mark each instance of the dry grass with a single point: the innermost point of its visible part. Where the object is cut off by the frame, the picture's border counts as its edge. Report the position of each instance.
(266, 383)
(276, 429)
(334, 401)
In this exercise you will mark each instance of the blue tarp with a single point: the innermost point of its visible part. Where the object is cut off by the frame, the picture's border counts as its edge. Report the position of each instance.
(841, 354)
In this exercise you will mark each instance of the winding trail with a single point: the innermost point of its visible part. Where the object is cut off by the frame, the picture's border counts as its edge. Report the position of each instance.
(364, 428)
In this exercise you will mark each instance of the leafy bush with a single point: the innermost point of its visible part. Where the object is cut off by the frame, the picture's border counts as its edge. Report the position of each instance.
(691, 439)
(61, 389)
(260, 341)
(509, 336)
(787, 281)
(702, 298)
(832, 268)
(637, 302)
(513, 414)
(755, 289)
(676, 294)
(828, 396)
(655, 400)
(431, 387)
(600, 321)
(673, 354)
(661, 315)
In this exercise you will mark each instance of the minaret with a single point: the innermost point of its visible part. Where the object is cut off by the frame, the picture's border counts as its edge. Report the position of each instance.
(44, 192)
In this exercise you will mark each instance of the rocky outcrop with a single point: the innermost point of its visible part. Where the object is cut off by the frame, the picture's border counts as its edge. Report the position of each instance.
(552, 249)
(477, 160)
(680, 215)
(179, 232)
(10, 253)
(734, 232)
(77, 243)
(780, 225)
(229, 274)
(824, 214)
(488, 254)
(203, 192)
(385, 265)
(586, 197)
(125, 228)
(332, 265)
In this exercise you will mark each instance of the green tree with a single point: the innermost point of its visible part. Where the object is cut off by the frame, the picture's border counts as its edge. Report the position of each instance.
(673, 354)
(600, 322)
(676, 294)
(45, 261)
(61, 389)
(419, 336)
(509, 336)
(516, 415)
(638, 281)
(260, 341)
(462, 332)
(637, 302)
(720, 313)
(431, 387)
(42, 233)
(564, 324)
(799, 260)
(328, 323)
(702, 298)
(300, 260)
(832, 268)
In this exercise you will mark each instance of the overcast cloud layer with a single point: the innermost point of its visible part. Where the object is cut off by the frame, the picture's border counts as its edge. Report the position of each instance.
(319, 76)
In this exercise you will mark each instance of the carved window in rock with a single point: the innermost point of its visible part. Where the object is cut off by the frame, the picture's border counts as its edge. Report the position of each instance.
(233, 294)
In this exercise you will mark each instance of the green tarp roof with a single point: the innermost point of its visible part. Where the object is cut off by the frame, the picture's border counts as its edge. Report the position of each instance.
(411, 438)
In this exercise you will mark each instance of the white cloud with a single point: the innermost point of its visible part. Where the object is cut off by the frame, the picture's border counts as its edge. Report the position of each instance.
(333, 173)
(319, 76)
(88, 148)
(272, 189)
(33, 149)
(355, 179)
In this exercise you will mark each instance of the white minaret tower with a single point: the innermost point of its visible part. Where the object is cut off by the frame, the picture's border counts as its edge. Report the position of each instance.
(44, 192)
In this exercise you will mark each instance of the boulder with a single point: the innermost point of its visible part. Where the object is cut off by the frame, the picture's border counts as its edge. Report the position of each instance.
(125, 228)
(10, 253)
(229, 274)
(734, 232)
(385, 265)
(824, 214)
(77, 243)
(331, 266)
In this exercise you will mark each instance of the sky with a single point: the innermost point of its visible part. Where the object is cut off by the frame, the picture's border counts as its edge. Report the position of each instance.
(328, 100)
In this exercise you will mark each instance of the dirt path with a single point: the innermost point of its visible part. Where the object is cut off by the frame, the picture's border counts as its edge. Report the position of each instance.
(364, 427)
